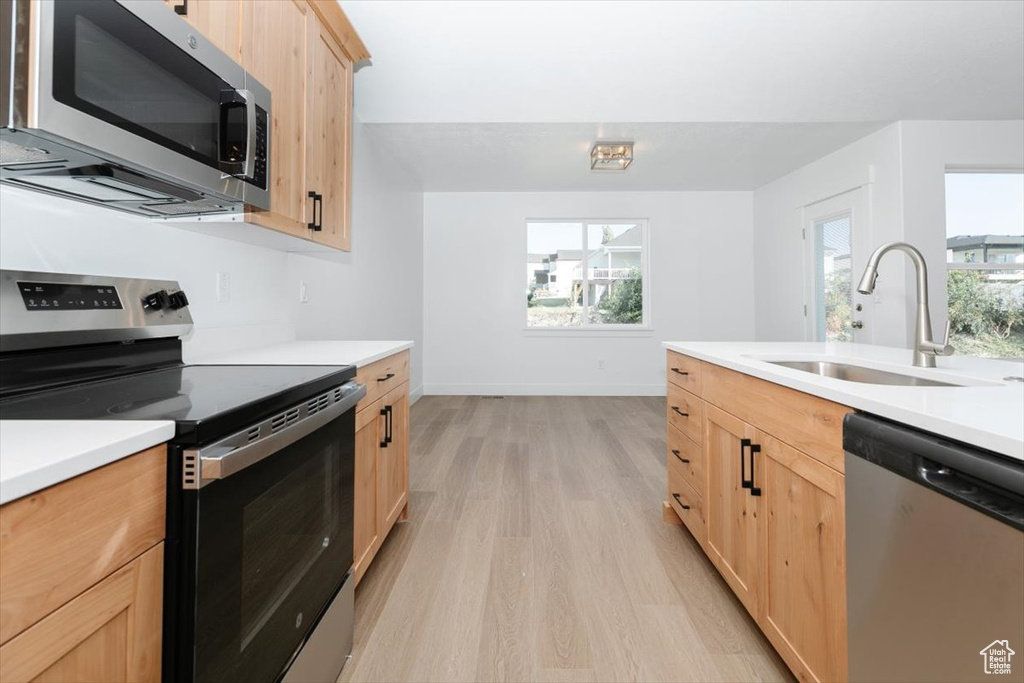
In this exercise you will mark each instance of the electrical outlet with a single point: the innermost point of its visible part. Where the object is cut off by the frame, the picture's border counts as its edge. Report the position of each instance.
(223, 286)
(303, 292)
(600, 364)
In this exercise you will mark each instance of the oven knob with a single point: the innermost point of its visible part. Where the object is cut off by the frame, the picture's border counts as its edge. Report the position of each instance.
(157, 301)
(178, 300)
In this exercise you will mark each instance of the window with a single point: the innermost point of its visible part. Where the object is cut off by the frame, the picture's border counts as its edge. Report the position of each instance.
(586, 274)
(985, 263)
(833, 295)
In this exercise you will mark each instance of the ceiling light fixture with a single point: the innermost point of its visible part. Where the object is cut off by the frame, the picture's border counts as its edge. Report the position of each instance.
(611, 156)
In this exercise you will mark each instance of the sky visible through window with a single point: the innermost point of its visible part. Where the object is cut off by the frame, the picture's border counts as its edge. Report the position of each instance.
(984, 204)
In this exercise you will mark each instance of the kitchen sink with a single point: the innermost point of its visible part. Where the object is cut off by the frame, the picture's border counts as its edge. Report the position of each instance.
(859, 373)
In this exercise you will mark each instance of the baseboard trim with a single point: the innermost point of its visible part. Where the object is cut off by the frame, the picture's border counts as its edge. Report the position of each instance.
(416, 394)
(544, 389)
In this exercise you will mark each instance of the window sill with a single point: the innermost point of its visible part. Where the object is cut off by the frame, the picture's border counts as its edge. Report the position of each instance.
(608, 331)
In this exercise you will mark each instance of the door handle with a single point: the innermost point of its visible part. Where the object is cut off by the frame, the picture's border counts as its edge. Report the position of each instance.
(181, 9)
(857, 324)
(744, 443)
(318, 201)
(228, 158)
(680, 501)
(389, 427)
(683, 460)
(754, 490)
(384, 413)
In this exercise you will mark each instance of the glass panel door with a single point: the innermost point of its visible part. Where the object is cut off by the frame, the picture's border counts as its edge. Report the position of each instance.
(837, 236)
(832, 281)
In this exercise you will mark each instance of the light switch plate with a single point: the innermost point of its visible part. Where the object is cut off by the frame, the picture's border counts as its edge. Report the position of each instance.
(223, 287)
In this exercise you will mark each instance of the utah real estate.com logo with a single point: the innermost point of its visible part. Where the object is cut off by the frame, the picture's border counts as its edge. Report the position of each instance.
(997, 657)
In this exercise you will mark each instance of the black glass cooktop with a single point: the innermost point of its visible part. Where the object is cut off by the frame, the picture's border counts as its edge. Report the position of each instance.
(206, 401)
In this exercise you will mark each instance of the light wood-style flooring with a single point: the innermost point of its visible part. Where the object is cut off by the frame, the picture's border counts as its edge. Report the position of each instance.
(535, 551)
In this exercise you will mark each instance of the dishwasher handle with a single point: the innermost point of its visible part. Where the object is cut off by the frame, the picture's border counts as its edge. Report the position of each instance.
(985, 481)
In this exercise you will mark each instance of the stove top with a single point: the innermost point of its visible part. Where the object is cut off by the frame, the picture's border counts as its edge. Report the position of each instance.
(206, 401)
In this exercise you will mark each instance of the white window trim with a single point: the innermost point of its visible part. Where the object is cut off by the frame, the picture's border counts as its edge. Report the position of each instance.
(645, 329)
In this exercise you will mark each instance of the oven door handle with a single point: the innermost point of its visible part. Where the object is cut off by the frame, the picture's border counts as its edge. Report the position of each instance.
(235, 453)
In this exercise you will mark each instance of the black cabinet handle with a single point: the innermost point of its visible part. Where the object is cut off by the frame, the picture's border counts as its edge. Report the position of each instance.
(681, 503)
(384, 412)
(182, 9)
(390, 423)
(318, 201)
(386, 377)
(676, 408)
(681, 458)
(744, 443)
(679, 372)
(754, 490)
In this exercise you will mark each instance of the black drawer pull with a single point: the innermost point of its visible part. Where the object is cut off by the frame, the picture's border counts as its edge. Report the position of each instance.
(386, 377)
(676, 408)
(181, 9)
(681, 503)
(679, 372)
(681, 458)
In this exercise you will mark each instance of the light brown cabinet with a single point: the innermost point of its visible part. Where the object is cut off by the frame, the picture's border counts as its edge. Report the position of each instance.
(733, 509)
(772, 506)
(304, 52)
(81, 565)
(382, 456)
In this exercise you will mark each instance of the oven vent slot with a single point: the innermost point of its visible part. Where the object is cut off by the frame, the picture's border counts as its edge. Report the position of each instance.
(291, 416)
(337, 394)
(278, 422)
(318, 404)
(252, 434)
(189, 472)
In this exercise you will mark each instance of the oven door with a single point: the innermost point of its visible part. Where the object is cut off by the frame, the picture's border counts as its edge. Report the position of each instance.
(272, 546)
(132, 79)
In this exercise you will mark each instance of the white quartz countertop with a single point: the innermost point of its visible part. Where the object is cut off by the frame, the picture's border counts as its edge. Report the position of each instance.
(35, 454)
(358, 353)
(989, 414)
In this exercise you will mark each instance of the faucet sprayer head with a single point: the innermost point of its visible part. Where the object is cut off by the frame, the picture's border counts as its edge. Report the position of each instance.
(867, 281)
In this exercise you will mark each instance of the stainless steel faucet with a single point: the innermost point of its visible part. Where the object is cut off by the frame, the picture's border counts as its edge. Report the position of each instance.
(925, 348)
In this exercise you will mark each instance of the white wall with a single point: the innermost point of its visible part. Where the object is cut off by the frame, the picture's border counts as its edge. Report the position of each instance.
(376, 290)
(474, 250)
(901, 172)
(40, 232)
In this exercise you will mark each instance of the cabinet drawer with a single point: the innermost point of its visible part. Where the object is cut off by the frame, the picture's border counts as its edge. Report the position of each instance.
(684, 372)
(687, 504)
(688, 457)
(58, 542)
(686, 413)
(383, 376)
(808, 423)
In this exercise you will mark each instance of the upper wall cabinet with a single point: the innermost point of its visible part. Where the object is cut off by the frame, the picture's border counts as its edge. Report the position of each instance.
(304, 51)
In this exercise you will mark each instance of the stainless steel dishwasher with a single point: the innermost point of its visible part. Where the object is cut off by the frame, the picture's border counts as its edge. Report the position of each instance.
(935, 557)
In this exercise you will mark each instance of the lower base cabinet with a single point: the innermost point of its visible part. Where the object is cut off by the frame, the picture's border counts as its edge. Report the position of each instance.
(381, 457)
(773, 514)
(111, 632)
(81, 576)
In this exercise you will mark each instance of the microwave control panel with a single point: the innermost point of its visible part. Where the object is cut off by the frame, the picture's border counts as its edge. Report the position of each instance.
(52, 296)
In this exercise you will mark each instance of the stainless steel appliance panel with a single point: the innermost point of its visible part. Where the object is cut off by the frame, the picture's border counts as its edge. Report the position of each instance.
(37, 121)
(931, 580)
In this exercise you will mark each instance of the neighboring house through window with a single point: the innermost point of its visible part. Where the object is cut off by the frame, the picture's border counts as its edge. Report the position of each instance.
(586, 274)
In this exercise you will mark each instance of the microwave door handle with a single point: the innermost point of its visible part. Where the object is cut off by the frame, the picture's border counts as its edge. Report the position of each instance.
(247, 168)
(250, 122)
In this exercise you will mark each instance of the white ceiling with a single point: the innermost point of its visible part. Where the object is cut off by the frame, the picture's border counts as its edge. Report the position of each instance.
(521, 157)
(669, 70)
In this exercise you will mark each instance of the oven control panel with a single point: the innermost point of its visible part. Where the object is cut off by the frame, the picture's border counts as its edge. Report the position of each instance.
(52, 296)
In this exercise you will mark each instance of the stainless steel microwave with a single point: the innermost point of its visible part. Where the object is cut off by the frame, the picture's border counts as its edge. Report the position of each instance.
(122, 103)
